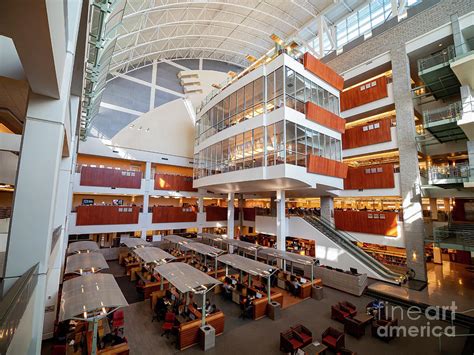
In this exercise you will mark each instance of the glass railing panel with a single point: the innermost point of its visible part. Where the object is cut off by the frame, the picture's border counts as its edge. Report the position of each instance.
(450, 112)
(444, 56)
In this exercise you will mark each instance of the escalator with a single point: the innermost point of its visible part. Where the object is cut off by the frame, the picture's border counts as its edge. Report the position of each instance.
(346, 241)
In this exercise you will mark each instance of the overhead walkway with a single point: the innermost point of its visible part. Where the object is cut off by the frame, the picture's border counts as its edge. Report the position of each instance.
(346, 242)
(442, 122)
(454, 236)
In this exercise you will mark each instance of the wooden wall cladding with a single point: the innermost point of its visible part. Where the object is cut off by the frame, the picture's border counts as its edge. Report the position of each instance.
(173, 182)
(325, 118)
(98, 215)
(249, 214)
(215, 213)
(368, 134)
(164, 214)
(14, 96)
(323, 71)
(382, 223)
(93, 176)
(324, 166)
(370, 177)
(363, 94)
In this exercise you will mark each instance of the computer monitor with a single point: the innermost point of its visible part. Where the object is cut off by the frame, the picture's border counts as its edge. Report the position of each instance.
(303, 280)
(353, 270)
(258, 295)
(234, 282)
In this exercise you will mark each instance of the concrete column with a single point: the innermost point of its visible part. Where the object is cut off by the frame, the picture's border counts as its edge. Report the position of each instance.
(241, 211)
(433, 209)
(281, 219)
(327, 209)
(410, 184)
(146, 199)
(200, 218)
(458, 37)
(230, 215)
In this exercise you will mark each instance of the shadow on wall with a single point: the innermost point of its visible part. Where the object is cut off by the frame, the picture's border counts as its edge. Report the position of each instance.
(127, 98)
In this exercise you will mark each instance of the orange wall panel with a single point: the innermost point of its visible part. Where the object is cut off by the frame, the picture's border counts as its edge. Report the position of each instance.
(382, 223)
(363, 94)
(324, 166)
(359, 136)
(323, 71)
(164, 214)
(173, 182)
(123, 164)
(92, 176)
(370, 177)
(324, 117)
(99, 215)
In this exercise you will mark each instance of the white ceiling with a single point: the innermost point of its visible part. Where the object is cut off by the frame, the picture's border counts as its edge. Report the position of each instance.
(226, 30)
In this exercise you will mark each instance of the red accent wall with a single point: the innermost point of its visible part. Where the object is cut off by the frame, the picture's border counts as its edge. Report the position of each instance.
(359, 221)
(164, 214)
(365, 177)
(461, 212)
(249, 214)
(215, 213)
(98, 215)
(93, 176)
(357, 96)
(173, 182)
(323, 71)
(359, 136)
(324, 117)
(324, 166)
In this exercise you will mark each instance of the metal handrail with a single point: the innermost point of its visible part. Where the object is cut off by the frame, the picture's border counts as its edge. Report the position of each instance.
(461, 171)
(452, 111)
(444, 56)
(347, 239)
(13, 306)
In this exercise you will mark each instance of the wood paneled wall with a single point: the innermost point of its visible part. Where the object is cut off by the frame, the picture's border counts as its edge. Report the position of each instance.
(98, 215)
(363, 94)
(93, 176)
(359, 221)
(368, 134)
(215, 213)
(249, 214)
(323, 71)
(324, 166)
(324, 117)
(370, 177)
(163, 214)
(173, 182)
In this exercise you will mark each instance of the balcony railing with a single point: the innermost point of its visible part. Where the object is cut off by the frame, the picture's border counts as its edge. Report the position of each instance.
(461, 235)
(458, 173)
(13, 306)
(465, 48)
(450, 112)
(445, 56)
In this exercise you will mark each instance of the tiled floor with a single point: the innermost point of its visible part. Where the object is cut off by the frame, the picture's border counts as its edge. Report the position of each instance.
(446, 283)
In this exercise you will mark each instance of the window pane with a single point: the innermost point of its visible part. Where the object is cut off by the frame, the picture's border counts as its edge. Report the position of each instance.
(258, 90)
(270, 86)
(290, 82)
(232, 153)
(301, 145)
(280, 143)
(249, 100)
(258, 146)
(239, 152)
(248, 146)
(271, 145)
(290, 143)
(278, 81)
(240, 100)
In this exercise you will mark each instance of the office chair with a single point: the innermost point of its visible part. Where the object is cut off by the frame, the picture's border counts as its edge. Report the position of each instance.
(167, 326)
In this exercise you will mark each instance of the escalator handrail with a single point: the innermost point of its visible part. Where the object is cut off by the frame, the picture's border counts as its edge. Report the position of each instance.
(343, 237)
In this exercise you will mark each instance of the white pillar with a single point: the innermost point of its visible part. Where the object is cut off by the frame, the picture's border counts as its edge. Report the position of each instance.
(200, 216)
(281, 219)
(146, 200)
(230, 215)
(327, 209)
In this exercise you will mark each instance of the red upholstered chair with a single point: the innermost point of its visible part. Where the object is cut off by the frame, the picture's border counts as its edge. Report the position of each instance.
(168, 325)
(118, 319)
(344, 351)
(290, 341)
(339, 312)
(352, 309)
(333, 339)
(304, 333)
(386, 334)
(354, 328)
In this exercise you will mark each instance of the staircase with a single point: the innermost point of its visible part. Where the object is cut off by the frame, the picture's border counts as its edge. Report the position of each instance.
(346, 242)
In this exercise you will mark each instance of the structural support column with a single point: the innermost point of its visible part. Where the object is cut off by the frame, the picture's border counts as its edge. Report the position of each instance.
(146, 198)
(230, 215)
(200, 216)
(327, 209)
(241, 212)
(410, 185)
(281, 219)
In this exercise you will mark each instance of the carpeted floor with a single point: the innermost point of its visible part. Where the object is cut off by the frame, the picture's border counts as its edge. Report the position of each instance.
(128, 289)
(242, 337)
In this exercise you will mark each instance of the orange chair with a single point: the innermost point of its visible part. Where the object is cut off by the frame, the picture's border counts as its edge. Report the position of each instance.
(167, 326)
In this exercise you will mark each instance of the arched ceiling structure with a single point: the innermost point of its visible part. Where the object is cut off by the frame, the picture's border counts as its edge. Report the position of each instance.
(226, 30)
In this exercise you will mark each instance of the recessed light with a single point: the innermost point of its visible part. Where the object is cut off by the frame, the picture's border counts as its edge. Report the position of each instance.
(440, 45)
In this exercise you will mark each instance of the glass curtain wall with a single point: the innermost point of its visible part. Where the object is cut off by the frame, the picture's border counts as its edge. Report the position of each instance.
(279, 143)
(249, 101)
